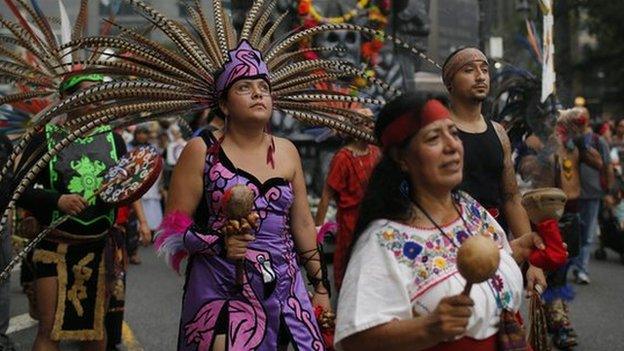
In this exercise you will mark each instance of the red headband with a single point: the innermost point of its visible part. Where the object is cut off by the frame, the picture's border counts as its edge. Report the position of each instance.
(407, 125)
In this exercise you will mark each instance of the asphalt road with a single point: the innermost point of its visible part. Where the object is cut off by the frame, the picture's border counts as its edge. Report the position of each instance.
(154, 296)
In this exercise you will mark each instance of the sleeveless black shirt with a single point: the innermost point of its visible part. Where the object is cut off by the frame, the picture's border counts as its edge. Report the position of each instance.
(483, 166)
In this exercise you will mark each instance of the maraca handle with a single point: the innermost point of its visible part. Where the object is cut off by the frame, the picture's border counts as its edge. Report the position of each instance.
(240, 273)
(467, 289)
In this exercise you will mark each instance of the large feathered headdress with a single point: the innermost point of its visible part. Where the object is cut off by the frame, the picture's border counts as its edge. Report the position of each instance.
(186, 77)
(33, 58)
(515, 103)
(182, 79)
(39, 65)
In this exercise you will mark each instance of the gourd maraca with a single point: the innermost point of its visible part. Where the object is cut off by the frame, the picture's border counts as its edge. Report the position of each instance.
(237, 203)
(477, 260)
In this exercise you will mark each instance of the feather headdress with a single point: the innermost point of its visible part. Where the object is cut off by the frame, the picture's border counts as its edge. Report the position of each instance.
(45, 63)
(184, 78)
(515, 103)
(190, 71)
(37, 63)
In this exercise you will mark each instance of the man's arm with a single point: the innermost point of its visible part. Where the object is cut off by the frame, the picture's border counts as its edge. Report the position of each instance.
(514, 212)
(36, 199)
(591, 157)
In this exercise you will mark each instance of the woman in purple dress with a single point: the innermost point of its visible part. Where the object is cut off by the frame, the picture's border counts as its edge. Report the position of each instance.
(272, 308)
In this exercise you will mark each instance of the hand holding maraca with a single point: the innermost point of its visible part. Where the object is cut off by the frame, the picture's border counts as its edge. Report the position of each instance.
(450, 317)
(237, 203)
(477, 261)
(238, 235)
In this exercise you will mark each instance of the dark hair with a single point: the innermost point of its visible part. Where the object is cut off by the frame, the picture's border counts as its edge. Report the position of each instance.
(215, 113)
(383, 197)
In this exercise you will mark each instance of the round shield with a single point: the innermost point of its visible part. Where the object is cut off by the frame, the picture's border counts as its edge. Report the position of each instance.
(132, 176)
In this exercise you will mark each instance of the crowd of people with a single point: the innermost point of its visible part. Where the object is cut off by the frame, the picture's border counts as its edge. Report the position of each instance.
(232, 201)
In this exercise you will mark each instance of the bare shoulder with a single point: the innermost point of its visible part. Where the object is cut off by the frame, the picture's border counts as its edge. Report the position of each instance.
(286, 147)
(287, 157)
(193, 154)
(500, 130)
(196, 144)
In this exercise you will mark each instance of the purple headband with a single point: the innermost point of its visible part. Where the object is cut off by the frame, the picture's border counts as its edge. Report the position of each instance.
(244, 62)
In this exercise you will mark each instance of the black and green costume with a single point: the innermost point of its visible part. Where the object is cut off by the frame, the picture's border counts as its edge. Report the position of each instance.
(75, 253)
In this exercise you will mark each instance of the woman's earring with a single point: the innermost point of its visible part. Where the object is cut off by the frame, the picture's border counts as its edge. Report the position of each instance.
(404, 188)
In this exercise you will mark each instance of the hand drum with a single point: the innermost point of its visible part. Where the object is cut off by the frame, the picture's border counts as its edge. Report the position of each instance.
(132, 176)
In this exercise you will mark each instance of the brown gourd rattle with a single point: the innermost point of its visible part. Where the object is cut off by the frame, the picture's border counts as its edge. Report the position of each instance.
(237, 203)
(477, 260)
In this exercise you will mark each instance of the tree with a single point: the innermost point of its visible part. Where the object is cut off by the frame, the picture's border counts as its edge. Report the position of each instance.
(606, 22)
(562, 12)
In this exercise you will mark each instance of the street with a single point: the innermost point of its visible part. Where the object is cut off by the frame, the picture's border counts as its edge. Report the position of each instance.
(154, 294)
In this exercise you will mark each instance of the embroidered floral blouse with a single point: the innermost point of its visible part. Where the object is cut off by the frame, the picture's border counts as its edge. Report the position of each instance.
(400, 272)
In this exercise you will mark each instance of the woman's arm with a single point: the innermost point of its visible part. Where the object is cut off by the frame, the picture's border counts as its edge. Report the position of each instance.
(145, 234)
(177, 236)
(187, 179)
(304, 232)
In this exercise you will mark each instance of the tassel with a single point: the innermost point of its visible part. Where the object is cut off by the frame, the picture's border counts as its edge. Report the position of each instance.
(270, 160)
(329, 228)
(270, 152)
(216, 147)
(565, 293)
(538, 333)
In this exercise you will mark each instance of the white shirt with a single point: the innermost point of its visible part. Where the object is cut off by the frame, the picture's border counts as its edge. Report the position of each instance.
(174, 149)
(398, 272)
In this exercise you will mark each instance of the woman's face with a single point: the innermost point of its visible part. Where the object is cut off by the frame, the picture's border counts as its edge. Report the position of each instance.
(434, 157)
(249, 99)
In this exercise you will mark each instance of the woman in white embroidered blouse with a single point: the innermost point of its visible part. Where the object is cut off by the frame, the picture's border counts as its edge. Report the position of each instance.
(402, 290)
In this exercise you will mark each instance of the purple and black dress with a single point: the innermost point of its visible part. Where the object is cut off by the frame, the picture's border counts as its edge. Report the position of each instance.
(273, 307)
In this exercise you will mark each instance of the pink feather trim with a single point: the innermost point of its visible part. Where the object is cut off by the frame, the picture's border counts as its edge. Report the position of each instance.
(169, 241)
